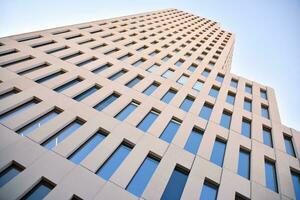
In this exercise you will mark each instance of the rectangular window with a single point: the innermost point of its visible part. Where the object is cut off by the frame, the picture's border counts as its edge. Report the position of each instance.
(51, 76)
(166, 58)
(248, 89)
(209, 191)
(111, 51)
(226, 119)
(68, 85)
(117, 75)
(230, 98)
(246, 127)
(154, 53)
(16, 61)
(25, 106)
(289, 147)
(194, 141)
(169, 95)
(34, 68)
(244, 164)
(143, 175)
(102, 68)
(40, 190)
(205, 73)
(183, 79)
(114, 161)
(73, 55)
(175, 184)
(148, 120)
(187, 103)
(265, 111)
(87, 93)
(10, 172)
(218, 152)
(170, 131)
(138, 62)
(206, 111)
(9, 93)
(248, 105)
(179, 63)
(267, 136)
(296, 184)
(142, 48)
(149, 90)
(263, 94)
(134, 81)
(167, 73)
(234, 83)
(198, 85)
(214, 91)
(153, 68)
(192, 67)
(126, 56)
(123, 114)
(87, 61)
(83, 151)
(220, 78)
(270, 175)
(38, 122)
(107, 101)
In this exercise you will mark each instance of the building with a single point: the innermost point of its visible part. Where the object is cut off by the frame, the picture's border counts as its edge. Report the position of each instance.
(141, 106)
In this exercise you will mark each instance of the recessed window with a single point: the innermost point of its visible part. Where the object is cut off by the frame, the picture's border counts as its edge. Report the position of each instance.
(167, 73)
(126, 56)
(226, 119)
(244, 163)
(117, 75)
(170, 131)
(87, 93)
(102, 68)
(149, 90)
(248, 88)
(107, 101)
(246, 127)
(267, 136)
(169, 96)
(148, 120)
(183, 79)
(142, 48)
(263, 94)
(50, 76)
(230, 98)
(154, 53)
(194, 141)
(296, 183)
(179, 63)
(87, 61)
(265, 111)
(248, 105)
(271, 175)
(153, 68)
(40, 190)
(198, 85)
(72, 55)
(138, 62)
(209, 191)
(289, 147)
(123, 114)
(218, 152)
(134, 81)
(220, 78)
(205, 73)
(206, 111)
(192, 67)
(10, 172)
(9, 93)
(234, 83)
(68, 85)
(187, 103)
(214, 91)
(166, 58)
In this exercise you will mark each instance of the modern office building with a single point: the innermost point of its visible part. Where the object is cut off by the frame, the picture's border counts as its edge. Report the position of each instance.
(139, 107)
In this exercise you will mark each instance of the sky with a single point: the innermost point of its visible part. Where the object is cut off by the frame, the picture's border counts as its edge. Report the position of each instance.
(267, 46)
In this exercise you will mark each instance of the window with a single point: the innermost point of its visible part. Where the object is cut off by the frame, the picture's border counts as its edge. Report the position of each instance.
(175, 184)
(9, 93)
(289, 147)
(153, 68)
(167, 73)
(142, 48)
(169, 95)
(107, 101)
(220, 78)
(296, 184)
(194, 141)
(51, 76)
(68, 85)
(145, 124)
(22, 108)
(170, 130)
(63, 134)
(246, 127)
(73, 55)
(40, 190)
(265, 111)
(123, 114)
(263, 94)
(138, 62)
(85, 62)
(234, 83)
(149, 90)
(205, 73)
(267, 136)
(143, 175)
(226, 119)
(230, 98)
(86, 93)
(270, 175)
(183, 79)
(244, 163)
(134, 81)
(248, 89)
(179, 63)
(125, 56)
(114, 161)
(10, 172)
(154, 53)
(192, 67)
(83, 151)
(166, 58)
(218, 152)
(248, 105)
(214, 91)
(117, 75)
(187, 103)
(209, 191)
(102, 68)
(38, 122)
(198, 85)
(206, 111)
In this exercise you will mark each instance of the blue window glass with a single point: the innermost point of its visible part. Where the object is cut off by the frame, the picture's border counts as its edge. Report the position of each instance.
(248, 89)
(114, 161)
(10, 114)
(220, 78)
(265, 111)
(214, 92)
(87, 147)
(123, 114)
(39, 191)
(102, 68)
(169, 96)
(106, 102)
(68, 85)
(209, 191)
(51, 76)
(142, 177)
(226, 119)
(125, 57)
(10, 172)
(234, 83)
(263, 94)
(38, 122)
(117, 75)
(145, 124)
(62, 134)
(86, 93)
(270, 175)
(246, 128)
(149, 90)
(9, 93)
(139, 62)
(142, 48)
(154, 53)
(153, 68)
(192, 68)
(230, 98)
(206, 111)
(248, 105)
(267, 137)
(296, 184)
(289, 147)
(166, 58)
(87, 61)
(194, 141)
(183, 79)
(217, 155)
(205, 73)
(175, 185)
(244, 164)
(134, 81)
(198, 85)
(187, 103)
(179, 63)
(170, 131)
(167, 73)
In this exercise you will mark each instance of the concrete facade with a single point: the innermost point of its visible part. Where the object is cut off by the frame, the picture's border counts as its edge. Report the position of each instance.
(26, 58)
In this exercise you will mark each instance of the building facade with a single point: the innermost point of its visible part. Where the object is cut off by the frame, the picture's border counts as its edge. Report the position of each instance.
(139, 107)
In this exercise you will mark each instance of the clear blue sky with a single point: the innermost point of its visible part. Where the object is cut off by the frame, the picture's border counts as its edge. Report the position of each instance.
(267, 48)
